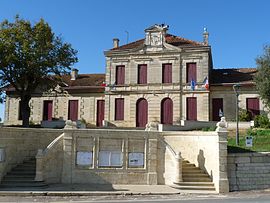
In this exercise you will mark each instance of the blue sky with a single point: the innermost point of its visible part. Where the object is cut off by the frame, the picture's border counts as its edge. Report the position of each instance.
(238, 28)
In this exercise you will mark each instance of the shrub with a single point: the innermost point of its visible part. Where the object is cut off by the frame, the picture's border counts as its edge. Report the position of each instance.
(244, 115)
(213, 128)
(261, 121)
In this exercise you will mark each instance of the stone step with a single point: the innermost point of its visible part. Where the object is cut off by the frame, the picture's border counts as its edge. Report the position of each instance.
(187, 175)
(191, 171)
(188, 165)
(21, 173)
(195, 183)
(194, 187)
(23, 169)
(18, 178)
(197, 179)
(15, 181)
(22, 184)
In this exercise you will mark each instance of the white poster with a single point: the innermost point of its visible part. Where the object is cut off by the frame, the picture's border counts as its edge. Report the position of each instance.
(84, 158)
(110, 158)
(136, 159)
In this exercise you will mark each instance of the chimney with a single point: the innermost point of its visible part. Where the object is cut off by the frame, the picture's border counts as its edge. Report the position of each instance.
(115, 42)
(205, 37)
(74, 74)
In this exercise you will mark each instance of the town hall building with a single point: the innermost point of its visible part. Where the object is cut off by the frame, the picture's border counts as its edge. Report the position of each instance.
(161, 78)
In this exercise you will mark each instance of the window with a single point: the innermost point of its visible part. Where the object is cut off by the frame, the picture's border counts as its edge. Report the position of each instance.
(167, 73)
(142, 74)
(47, 110)
(253, 106)
(119, 109)
(191, 72)
(136, 153)
(73, 110)
(192, 108)
(120, 75)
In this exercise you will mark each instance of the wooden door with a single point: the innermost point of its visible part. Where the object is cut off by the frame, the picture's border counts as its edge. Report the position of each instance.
(217, 106)
(167, 111)
(100, 112)
(192, 108)
(141, 113)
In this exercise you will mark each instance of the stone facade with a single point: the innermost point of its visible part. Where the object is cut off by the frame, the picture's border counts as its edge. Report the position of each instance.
(156, 50)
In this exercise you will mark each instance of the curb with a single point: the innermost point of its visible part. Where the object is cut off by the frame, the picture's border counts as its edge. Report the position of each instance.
(81, 193)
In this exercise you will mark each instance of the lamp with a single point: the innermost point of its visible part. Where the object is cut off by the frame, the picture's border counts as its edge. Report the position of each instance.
(236, 89)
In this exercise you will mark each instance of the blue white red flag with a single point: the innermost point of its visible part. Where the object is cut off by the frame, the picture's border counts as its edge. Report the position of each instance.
(206, 83)
(192, 84)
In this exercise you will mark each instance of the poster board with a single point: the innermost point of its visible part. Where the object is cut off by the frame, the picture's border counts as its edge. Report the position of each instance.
(136, 159)
(84, 158)
(110, 158)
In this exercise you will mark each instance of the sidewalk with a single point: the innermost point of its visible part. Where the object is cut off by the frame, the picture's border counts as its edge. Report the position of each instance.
(95, 190)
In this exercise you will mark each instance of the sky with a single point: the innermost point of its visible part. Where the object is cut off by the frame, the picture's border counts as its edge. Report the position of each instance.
(238, 28)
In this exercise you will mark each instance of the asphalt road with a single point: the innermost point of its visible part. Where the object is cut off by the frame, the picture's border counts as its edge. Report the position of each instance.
(238, 198)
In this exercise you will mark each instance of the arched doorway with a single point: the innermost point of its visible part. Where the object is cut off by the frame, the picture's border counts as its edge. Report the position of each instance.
(166, 111)
(141, 112)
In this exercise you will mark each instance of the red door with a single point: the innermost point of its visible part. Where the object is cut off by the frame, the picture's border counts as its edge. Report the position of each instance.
(100, 112)
(142, 74)
(73, 110)
(47, 110)
(217, 106)
(141, 113)
(167, 111)
(253, 106)
(192, 108)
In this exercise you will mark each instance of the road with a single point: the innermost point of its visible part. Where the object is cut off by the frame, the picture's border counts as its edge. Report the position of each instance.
(230, 198)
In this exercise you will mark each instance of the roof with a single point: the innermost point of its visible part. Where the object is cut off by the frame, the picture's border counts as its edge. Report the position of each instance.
(170, 39)
(84, 80)
(83, 83)
(232, 76)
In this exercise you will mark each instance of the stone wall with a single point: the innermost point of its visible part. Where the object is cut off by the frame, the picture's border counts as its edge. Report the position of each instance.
(249, 171)
(20, 144)
(207, 150)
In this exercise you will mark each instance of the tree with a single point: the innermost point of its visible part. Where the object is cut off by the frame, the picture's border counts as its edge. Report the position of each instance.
(30, 56)
(262, 78)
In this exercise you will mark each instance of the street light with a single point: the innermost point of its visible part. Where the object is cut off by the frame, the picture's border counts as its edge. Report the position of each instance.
(236, 89)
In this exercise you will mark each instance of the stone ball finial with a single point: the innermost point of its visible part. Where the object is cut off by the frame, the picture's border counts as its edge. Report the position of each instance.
(222, 124)
(70, 125)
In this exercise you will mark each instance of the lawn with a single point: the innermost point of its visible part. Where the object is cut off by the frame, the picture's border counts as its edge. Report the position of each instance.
(261, 141)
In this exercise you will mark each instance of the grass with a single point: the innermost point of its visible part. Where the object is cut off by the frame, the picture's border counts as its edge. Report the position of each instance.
(261, 141)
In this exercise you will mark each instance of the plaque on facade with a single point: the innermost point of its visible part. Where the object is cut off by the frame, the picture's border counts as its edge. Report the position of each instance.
(136, 159)
(84, 158)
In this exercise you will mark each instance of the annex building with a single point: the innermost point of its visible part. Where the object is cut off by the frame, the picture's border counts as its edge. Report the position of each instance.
(161, 78)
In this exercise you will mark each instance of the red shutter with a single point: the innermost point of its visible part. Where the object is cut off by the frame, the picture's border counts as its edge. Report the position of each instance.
(120, 75)
(142, 74)
(73, 110)
(119, 109)
(253, 106)
(191, 72)
(167, 73)
(100, 112)
(47, 110)
(192, 108)
(167, 111)
(141, 113)
(217, 106)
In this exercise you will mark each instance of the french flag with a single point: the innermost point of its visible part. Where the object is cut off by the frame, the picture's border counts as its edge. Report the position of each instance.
(206, 83)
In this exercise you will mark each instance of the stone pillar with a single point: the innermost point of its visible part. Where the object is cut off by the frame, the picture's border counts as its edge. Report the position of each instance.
(68, 152)
(222, 131)
(152, 162)
(178, 168)
(39, 166)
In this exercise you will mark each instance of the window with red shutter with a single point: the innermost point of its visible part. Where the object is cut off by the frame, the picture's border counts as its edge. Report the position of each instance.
(119, 109)
(253, 106)
(120, 75)
(142, 74)
(73, 110)
(191, 72)
(167, 73)
(47, 110)
(192, 108)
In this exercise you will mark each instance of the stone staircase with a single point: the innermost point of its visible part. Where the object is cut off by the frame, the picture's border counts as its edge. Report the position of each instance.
(22, 177)
(194, 179)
